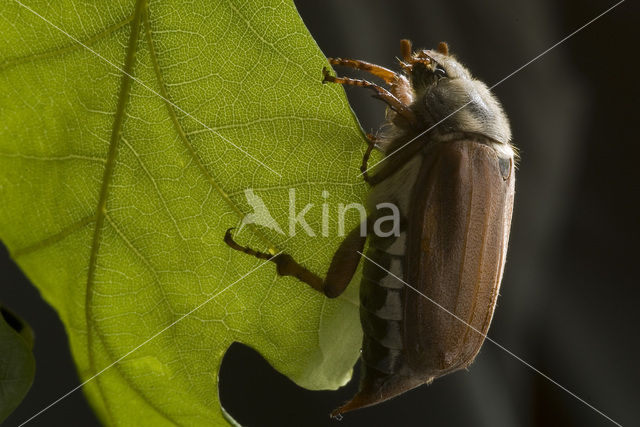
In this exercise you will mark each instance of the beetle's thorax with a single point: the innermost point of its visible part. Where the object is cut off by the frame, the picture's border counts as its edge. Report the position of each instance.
(460, 102)
(455, 103)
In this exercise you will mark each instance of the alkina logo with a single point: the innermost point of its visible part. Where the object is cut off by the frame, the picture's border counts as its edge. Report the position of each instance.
(382, 226)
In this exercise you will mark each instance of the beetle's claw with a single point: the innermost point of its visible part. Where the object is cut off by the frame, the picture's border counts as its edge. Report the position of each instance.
(326, 75)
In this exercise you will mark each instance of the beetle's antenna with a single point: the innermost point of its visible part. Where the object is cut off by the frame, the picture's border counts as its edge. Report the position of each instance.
(406, 49)
(443, 48)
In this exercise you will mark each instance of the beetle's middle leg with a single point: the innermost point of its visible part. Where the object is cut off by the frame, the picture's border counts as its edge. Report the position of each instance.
(341, 270)
(371, 140)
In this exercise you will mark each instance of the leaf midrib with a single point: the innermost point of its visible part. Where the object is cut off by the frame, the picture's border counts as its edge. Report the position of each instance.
(101, 209)
(140, 17)
(141, 13)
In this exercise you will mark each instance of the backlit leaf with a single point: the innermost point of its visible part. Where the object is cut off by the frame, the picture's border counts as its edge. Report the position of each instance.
(129, 133)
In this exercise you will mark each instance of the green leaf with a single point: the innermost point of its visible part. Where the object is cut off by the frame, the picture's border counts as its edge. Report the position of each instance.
(17, 366)
(115, 200)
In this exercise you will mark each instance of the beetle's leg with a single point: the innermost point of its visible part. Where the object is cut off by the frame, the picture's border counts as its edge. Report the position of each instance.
(377, 70)
(341, 270)
(381, 93)
(393, 163)
(371, 139)
(399, 84)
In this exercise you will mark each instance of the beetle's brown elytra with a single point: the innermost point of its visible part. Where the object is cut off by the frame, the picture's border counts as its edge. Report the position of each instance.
(453, 186)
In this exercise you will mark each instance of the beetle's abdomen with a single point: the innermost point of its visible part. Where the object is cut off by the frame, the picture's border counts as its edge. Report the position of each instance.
(382, 311)
(384, 370)
(382, 295)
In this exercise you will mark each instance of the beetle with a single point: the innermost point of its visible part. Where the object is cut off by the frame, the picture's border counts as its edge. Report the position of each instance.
(449, 167)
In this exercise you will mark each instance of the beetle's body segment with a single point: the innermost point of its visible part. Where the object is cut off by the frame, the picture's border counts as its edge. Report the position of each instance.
(450, 171)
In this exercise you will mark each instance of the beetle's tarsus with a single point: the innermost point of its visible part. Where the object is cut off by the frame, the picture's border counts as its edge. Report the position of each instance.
(228, 239)
(326, 75)
(342, 268)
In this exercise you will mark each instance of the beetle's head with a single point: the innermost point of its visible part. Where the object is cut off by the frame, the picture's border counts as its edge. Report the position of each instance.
(446, 92)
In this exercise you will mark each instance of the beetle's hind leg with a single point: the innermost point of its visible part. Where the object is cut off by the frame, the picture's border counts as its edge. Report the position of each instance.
(341, 270)
(381, 93)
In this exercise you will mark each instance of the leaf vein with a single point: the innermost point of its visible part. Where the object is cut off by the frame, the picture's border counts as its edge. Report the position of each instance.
(13, 62)
(54, 238)
(183, 137)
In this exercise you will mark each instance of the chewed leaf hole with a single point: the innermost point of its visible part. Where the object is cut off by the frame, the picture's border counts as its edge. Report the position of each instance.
(256, 394)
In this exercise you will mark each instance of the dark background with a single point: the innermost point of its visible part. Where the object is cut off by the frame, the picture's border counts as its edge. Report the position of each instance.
(570, 299)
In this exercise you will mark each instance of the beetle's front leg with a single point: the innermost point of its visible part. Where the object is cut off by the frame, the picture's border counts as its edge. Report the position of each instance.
(381, 93)
(341, 270)
(399, 85)
(384, 73)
